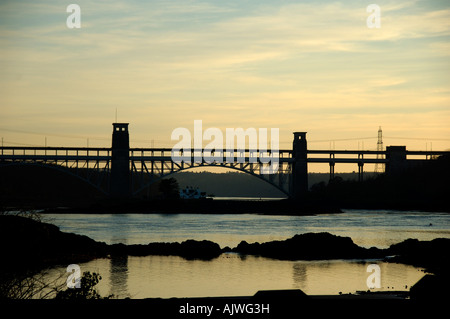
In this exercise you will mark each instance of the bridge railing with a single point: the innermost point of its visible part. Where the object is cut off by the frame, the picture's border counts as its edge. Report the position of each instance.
(146, 154)
(53, 151)
(194, 155)
(67, 156)
(367, 156)
(94, 164)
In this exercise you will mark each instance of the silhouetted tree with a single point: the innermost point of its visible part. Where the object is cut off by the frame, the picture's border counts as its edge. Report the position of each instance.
(29, 285)
(86, 291)
(169, 188)
(319, 188)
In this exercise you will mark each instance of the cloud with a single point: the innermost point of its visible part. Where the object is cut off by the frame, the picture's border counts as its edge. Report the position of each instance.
(313, 64)
(269, 34)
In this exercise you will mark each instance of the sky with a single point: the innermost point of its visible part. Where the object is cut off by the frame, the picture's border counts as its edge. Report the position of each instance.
(309, 66)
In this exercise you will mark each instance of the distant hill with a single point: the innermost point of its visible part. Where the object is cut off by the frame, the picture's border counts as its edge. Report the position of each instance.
(231, 184)
(22, 185)
(236, 184)
(29, 184)
(424, 187)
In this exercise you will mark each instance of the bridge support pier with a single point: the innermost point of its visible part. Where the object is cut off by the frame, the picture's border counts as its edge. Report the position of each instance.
(119, 185)
(332, 164)
(299, 173)
(360, 171)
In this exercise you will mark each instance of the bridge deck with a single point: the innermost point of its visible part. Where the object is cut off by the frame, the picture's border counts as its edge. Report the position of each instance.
(56, 154)
(148, 165)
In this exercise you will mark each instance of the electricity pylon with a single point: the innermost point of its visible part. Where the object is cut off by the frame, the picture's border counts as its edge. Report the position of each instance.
(379, 167)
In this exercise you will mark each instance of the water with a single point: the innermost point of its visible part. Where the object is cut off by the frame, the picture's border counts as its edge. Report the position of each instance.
(231, 275)
(234, 275)
(366, 228)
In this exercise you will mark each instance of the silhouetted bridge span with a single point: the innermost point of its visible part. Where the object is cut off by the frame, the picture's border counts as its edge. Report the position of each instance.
(123, 171)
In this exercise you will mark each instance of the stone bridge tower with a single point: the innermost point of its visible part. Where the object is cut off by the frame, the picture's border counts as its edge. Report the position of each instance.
(299, 186)
(119, 186)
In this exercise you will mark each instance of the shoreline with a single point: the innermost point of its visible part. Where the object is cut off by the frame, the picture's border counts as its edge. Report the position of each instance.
(280, 207)
(41, 244)
(202, 206)
(52, 242)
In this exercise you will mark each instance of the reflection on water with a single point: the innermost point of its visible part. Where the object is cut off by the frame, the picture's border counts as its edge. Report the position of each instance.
(231, 275)
(118, 280)
(118, 272)
(235, 275)
(299, 275)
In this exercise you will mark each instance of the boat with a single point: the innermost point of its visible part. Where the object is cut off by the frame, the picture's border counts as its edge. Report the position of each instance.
(192, 193)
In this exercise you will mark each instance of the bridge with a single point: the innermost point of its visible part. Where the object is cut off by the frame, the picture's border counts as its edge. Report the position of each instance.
(121, 171)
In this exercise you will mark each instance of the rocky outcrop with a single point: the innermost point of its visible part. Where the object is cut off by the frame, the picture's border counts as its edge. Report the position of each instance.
(432, 255)
(310, 246)
(189, 249)
(27, 243)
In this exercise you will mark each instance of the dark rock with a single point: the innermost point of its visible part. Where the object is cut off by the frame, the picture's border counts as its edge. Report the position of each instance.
(118, 249)
(189, 249)
(226, 249)
(204, 249)
(432, 255)
(27, 243)
(431, 287)
(310, 246)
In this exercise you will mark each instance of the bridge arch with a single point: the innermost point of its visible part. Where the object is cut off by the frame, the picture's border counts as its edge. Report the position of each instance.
(180, 169)
(57, 168)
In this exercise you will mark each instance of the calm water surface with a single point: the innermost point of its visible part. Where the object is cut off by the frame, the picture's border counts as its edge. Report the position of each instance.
(366, 228)
(234, 275)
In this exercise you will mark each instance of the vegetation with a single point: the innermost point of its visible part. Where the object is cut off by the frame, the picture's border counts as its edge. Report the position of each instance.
(23, 212)
(26, 280)
(40, 285)
(45, 187)
(28, 285)
(425, 187)
(87, 289)
(169, 188)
